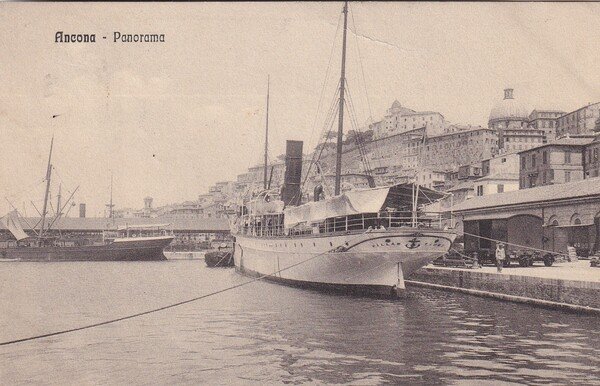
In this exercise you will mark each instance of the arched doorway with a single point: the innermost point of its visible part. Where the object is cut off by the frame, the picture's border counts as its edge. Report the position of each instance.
(551, 231)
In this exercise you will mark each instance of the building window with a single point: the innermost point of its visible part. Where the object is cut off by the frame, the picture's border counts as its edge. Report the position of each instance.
(533, 160)
(567, 157)
(567, 176)
(500, 188)
(545, 157)
(480, 190)
(523, 162)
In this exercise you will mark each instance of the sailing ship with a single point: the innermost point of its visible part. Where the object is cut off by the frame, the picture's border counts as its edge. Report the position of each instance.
(361, 241)
(121, 243)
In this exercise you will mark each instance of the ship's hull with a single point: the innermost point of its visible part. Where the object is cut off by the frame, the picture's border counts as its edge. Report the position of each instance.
(370, 262)
(126, 249)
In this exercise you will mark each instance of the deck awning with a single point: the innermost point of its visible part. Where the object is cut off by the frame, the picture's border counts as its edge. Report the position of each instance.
(358, 201)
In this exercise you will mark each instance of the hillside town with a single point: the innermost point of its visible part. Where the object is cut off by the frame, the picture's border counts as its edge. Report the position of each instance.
(396, 193)
(519, 149)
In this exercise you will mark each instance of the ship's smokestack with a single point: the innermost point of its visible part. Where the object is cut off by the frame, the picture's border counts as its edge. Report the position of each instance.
(81, 210)
(290, 194)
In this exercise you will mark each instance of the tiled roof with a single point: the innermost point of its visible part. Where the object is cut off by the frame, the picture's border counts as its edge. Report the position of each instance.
(100, 224)
(583, 188)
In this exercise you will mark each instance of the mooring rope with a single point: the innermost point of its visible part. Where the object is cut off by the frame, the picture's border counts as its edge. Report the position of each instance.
(459, 253)
(516, 245)
(89, 326)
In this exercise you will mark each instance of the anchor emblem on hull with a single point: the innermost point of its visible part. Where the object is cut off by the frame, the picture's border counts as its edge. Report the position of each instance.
(413, 243)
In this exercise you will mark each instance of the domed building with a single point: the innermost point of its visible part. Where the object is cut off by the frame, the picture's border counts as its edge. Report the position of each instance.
(508, 113)
(510, 118)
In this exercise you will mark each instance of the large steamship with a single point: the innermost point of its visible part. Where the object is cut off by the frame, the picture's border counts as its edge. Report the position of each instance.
(358, 241)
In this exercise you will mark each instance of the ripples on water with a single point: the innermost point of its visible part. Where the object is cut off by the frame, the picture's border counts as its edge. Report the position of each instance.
(269, 334)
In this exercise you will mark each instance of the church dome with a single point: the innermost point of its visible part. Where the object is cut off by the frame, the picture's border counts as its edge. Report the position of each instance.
(396, 104)
(509, 108)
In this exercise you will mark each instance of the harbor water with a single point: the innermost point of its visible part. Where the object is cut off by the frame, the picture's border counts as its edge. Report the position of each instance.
(264, 333)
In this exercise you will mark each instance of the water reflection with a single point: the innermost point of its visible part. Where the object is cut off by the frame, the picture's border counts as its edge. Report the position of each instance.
(265, 333)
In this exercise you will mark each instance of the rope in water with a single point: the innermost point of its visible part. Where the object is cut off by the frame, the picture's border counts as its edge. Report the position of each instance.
(89, 326)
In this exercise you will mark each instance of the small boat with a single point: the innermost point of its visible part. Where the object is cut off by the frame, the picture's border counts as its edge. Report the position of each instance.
(219, 258)
(128, 243)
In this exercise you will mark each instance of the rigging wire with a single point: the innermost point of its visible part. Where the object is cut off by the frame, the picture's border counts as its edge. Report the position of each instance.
(320, 152)
(327, 72)
(26, 189)
(362, 69)
(89, 326)
(327, 126)
(358, 138)
(361, 64)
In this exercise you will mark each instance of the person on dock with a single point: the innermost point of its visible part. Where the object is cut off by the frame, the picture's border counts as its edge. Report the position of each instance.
(500, 256)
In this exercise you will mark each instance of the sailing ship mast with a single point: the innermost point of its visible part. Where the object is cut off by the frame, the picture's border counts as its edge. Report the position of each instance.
(48, 176)
(338, 164)
(265, 185)
(110, 205)
(58, 201)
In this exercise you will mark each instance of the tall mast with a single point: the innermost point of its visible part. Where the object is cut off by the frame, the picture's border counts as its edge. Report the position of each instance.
(111, 205)
(48, 176)
(58, 202)
(338, 164)
(266, 137)
(111, 196)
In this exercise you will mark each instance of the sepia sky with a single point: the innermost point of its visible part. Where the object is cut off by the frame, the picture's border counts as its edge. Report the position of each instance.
(170, 119)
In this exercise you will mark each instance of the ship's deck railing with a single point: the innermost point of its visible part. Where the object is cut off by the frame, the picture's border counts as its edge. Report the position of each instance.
(272, 225)
(126, 232)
